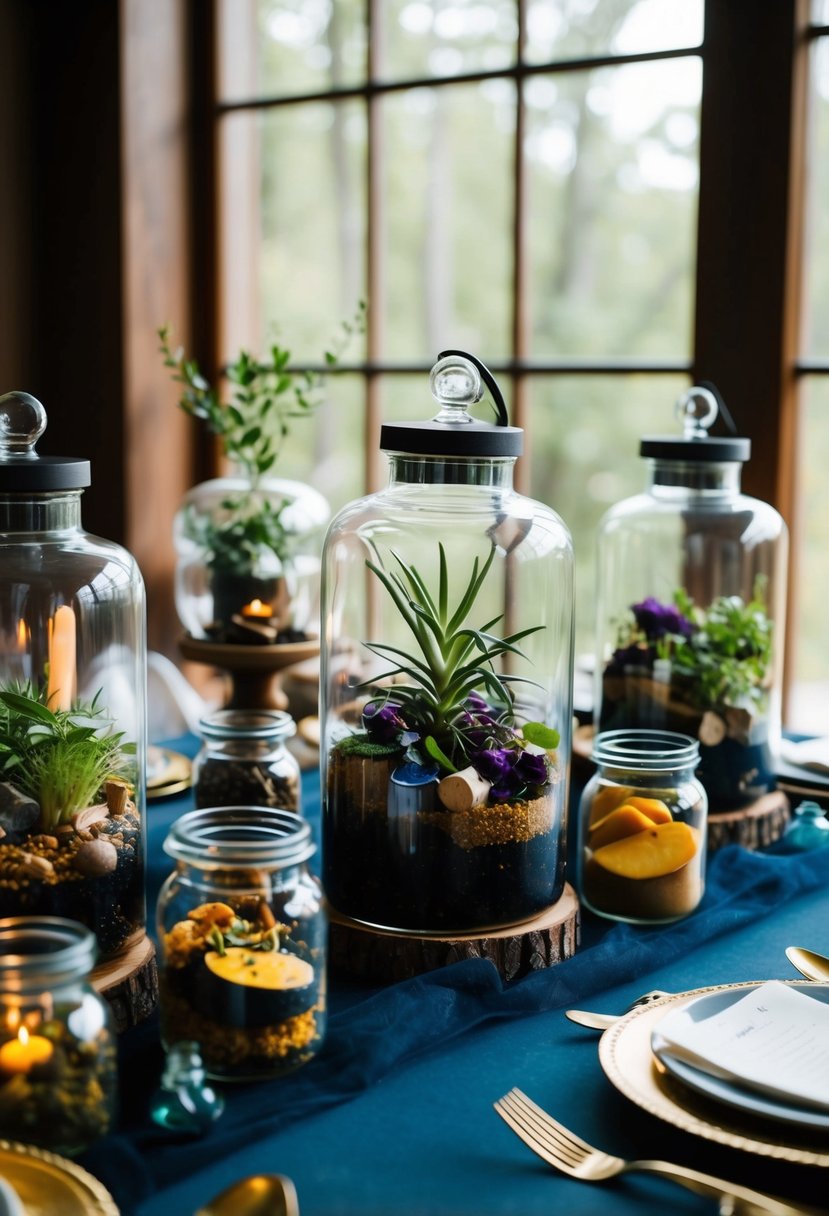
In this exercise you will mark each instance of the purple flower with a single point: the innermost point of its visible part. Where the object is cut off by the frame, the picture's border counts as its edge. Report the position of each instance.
(495, 764)
(532, 768)
(383, 722)
(655, 619)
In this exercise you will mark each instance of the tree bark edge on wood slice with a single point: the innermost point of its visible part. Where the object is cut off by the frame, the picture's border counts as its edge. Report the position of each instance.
(381, 956)
(754, 826)
(129, 984)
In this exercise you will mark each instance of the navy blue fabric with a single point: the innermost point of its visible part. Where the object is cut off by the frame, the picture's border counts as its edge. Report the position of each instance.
(372, 1036)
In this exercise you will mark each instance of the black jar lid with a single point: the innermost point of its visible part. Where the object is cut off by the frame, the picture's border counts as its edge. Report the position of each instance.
(456, 381)
(22, 470)
(698, 409)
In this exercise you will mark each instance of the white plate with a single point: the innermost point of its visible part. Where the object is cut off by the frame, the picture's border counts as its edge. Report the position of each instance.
(730, 1092)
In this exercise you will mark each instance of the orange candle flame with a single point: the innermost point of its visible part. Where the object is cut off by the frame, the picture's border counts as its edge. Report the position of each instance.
(20, 1055)
(256, 608)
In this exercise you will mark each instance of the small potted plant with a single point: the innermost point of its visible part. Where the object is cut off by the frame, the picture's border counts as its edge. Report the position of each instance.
(70, 834)
(246, 541)
(439, 807)
(704, 672)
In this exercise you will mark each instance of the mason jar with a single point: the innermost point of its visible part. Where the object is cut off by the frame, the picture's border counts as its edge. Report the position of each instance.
(243, 938)
(446, 679)
(73, 673)
(642, 825)
(243, 760)
(58, 1068)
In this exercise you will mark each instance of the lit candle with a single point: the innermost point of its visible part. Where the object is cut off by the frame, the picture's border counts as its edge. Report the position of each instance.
(257, 609)
(24, 1052)
(62, 649)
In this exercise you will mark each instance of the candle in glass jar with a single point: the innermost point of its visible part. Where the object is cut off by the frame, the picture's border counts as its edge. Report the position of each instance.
(20, 1055)
(62, 651)
(256, 609)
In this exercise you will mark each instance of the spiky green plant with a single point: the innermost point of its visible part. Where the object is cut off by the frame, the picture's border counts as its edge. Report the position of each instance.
(456, 660)
(60, 758)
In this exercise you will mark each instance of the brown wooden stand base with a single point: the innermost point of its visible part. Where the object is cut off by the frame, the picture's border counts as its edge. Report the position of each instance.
(383, 957)
(753, 826)
(129, 983)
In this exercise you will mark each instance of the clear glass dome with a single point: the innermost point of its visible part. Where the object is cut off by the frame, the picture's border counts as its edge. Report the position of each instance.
(446, 680)
(691, 608)
(72, 698)
(249, 552)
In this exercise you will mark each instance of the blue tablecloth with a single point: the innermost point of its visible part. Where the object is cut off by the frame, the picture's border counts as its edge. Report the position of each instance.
(395, 1114)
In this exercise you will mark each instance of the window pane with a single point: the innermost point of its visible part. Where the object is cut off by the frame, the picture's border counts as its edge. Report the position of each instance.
(613, 169)
(582, 443)
(307, 265)
(447, 199)
(820, 12)
(436, 38)
(575, 29)
(326, 450)
(809, 708)
(815, 342)
(274, 48)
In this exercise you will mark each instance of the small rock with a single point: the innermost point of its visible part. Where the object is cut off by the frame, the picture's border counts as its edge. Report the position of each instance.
(18, 812)
(95, 857)
(83, 820)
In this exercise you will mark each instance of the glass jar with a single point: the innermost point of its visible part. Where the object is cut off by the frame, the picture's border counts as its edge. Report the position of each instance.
(73, 667)
(446, 680)
(251, 553)
(691, 595)
(58, 1068)
(243, 760)
(642, 828)
(243, 940)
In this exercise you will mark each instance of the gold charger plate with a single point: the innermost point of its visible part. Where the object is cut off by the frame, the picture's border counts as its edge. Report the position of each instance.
(629, 1064)
(169, 772)
(49, 1185)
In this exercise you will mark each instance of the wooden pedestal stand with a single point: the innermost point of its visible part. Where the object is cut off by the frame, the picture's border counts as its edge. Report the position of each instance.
(383, 957)
(754, 826)
(254, 669)
(129, 983)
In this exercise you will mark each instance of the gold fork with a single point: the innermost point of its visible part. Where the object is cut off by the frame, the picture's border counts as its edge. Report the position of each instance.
(566, 1152)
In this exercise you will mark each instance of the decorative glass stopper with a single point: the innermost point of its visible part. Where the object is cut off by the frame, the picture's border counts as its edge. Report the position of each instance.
(455, 384)
(22, 422)
(809, 829)
(697, 410)
(185, 1102)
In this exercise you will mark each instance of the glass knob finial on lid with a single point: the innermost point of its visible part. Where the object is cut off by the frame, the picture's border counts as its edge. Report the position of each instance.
(22, 422)
(697, 410)
(456, 384)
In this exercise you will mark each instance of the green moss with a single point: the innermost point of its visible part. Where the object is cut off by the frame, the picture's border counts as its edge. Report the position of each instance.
(361, 745)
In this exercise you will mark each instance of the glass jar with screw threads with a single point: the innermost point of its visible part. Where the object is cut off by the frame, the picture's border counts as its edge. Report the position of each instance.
(243, 760)
(57, 1048)
(642, 827)
(243, 939)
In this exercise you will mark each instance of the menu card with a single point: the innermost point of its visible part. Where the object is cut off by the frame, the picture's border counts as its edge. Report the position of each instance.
(774, 1039)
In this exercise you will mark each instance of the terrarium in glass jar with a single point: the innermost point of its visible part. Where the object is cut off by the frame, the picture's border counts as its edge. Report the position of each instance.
(72, 698)
(58, 1074)
(446, 680)
(243, 938)
(642, 828)
(248, 560)
(691, 605)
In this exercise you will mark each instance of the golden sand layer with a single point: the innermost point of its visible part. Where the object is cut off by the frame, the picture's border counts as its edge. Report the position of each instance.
(502, 823)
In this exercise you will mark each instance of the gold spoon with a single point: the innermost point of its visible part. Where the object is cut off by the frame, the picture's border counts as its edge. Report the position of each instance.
(258, 1195)
(814, 966)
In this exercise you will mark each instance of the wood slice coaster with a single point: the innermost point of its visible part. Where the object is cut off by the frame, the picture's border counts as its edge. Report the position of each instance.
(129, 983)
(383, 957)
(754, 826)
